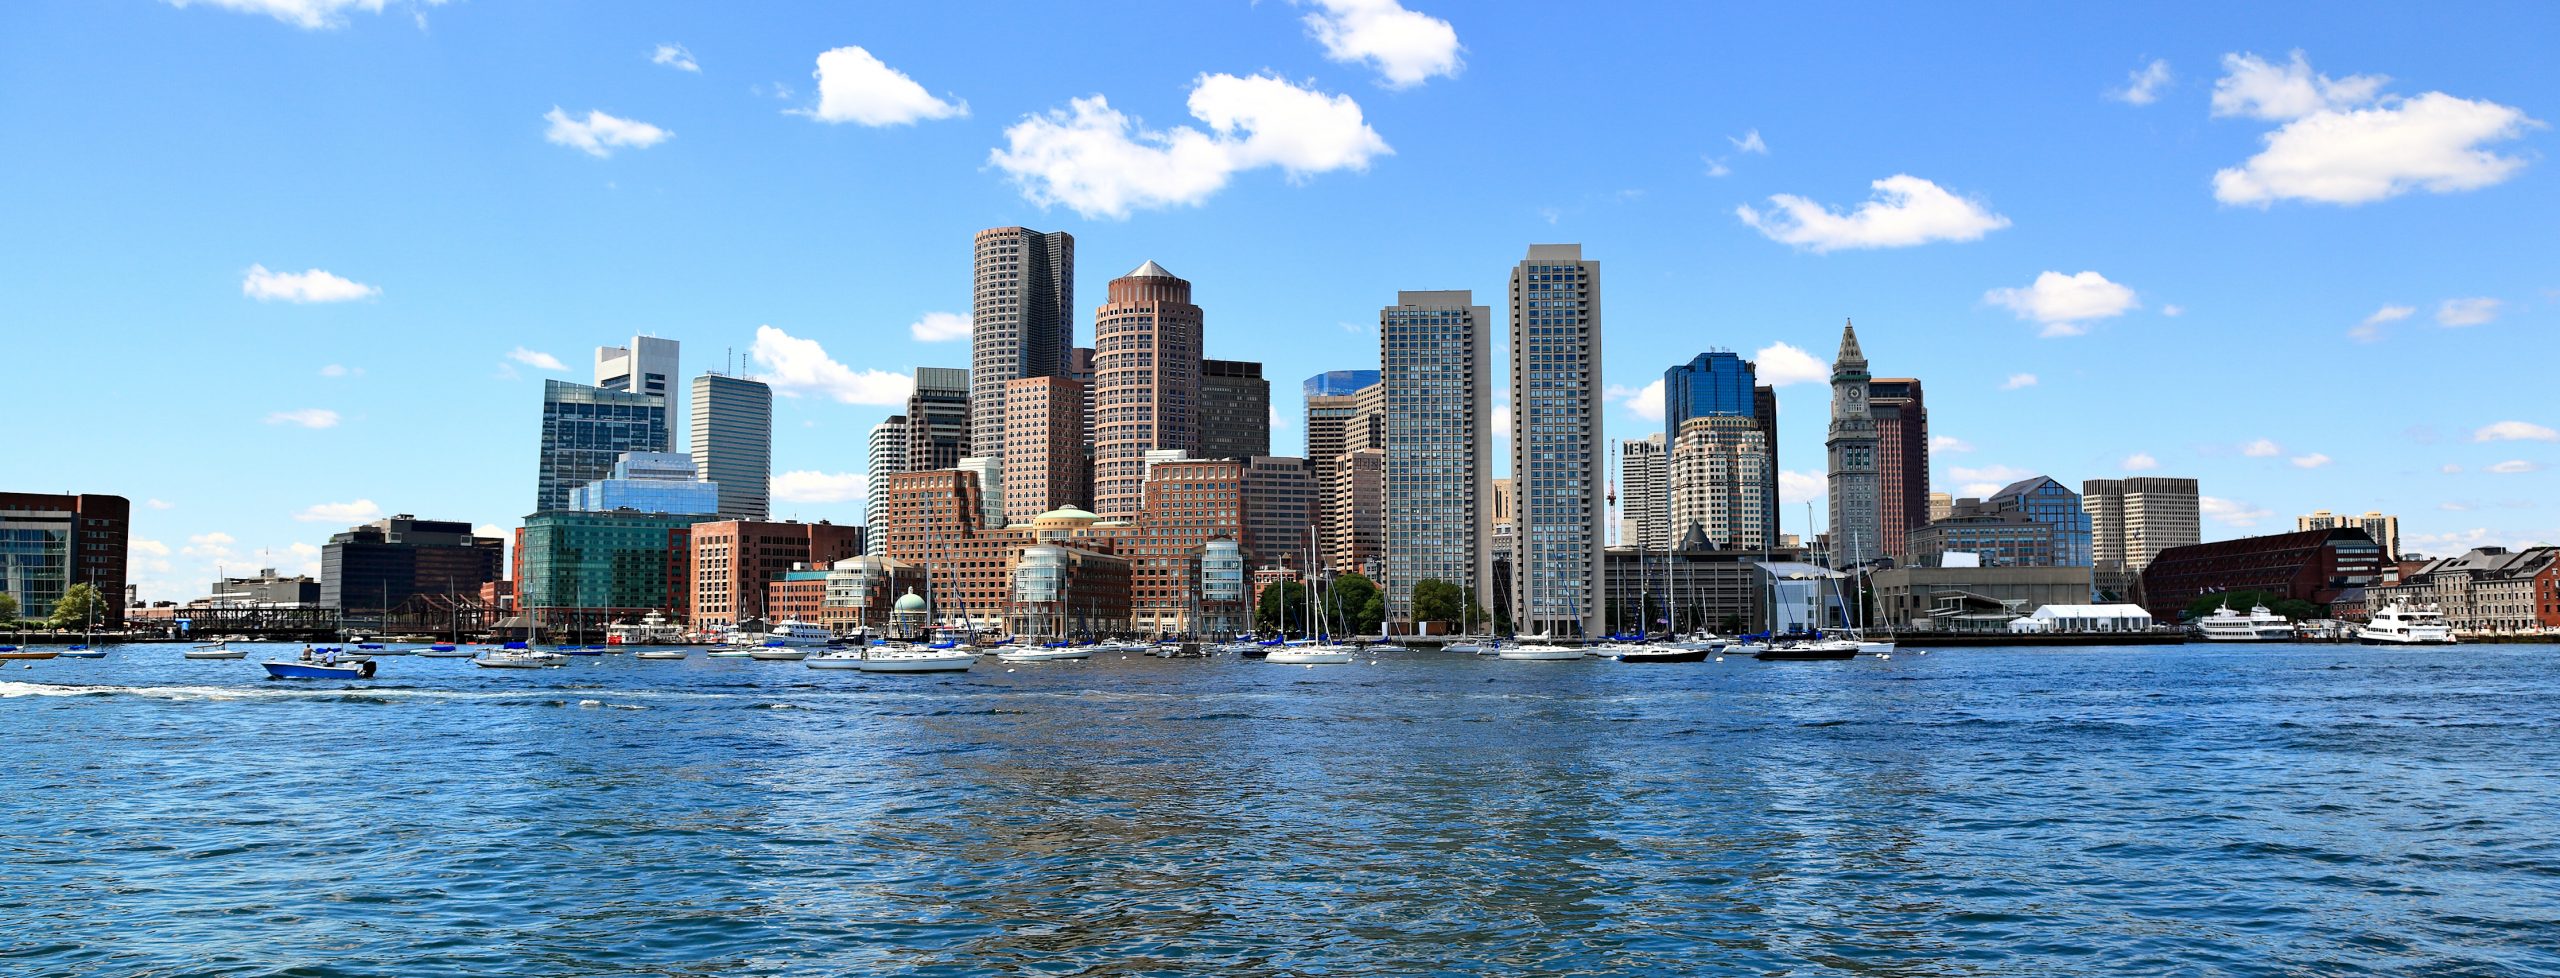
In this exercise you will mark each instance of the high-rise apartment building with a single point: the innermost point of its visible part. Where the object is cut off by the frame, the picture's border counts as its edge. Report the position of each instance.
(938, 419)
(887, 457)
(1902, 459)
(1146, 359)
(2384, 529)
(1434, 351)
(1557, 458)
(1235, 410)
(1044, 438)
(733, 442)
(1279, 511)
(585, 429)
(1644, 494)
(384, 563)
(1339, 423)
(1856, 496)
(49, 543)
(1020, 322)
(1716, 468)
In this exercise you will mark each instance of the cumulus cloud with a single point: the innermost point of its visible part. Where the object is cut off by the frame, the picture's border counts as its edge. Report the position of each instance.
(2262, 448)
(2345, 142)
(2515, 431)
(1781, 364)
(1102, 163)
(306, 417)
(940, 327)
(1799, 487)
(2140, 462)
(1995, 475)
(2231, 512)
(2142, 86)
(798, 366)
(310, 15)
(805, 486)
(854, 86)
(1643, 402)
(341, 370)
(307, 286)
(490, 530)
(1949, 443)
(536, 359)
(2371, 328)
(674, 56)
(1502, 422)
(357, 511)
(153, 547)
(2311, 461)
(1904, 211)
(159, 504)
(1406, 48)
(2514, 467)
(2466, 312)
(2018, 382)
(598, 134)
(2065, 304)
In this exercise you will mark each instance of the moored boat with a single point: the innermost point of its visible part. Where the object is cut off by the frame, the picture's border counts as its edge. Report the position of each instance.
(1809, 650)
(293, 669)
(13, 652)
(217, 650)
(1311, 655)
(83, 652)
(1660, 653)
(660, 655)
(2259, 625)
(891, 658)
(1541, 653)
(1044, 653)
(2400, 623)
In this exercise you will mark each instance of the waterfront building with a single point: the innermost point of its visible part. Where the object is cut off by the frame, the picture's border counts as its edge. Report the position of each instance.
(2047, 500)
(733, 442)
(1146, 343)
(647, 365)
(2132, 520)
(1339, 422)
(733, 560)
(50, 542)
(860, 591)
(1279, 511)
(1188, 504)
(798, 594)
(1045, 465)
(1644, 496)
(933, 520)
(1856, 494)
(2487, 589)
(2308, 565)
(582, 571)
(1971, 599)
(1223, 589)
(1995, 537)
(1716, 470)
(1690, 586)
(266, 590)
(1235, 410)
(1435, 384)
(1902, 460)
(650, 482)
(1557, 456)
(1802, 596)
(1065, 592)
(382, 564)
(990, 487)
(1357, 538)
(1020, 324)
(585, 429)
(2384, 529)
(887, 457)
(938, 419)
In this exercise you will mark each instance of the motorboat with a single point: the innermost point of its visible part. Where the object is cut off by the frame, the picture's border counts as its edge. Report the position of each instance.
(652, 629)
(1660, 653)
(1873, 648)
(296, 669)
(1311, 655)
(13, 652)
(517, 656)
(217, 650)
(789, 632)
(1701, 641)
(1541, 653)
(83, 652)
(659, 655)
(1044, 653)
(2400, 623)
(895, 658)
(773, 651)
(446, 650)
(848, 659)
(729, 652)
(1467, 647)
(2259, 625)
(1809, 650)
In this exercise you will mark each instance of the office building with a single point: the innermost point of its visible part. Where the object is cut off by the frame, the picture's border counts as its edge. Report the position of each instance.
(1021, 323)
(1235, 410)
(1434, 349)
(649, 365)
(1688, 587)
(1080, 370)
(887, 456)
(382, 564)
(50, 542)
(1279, 511)
(1997, 537)
(1715, 472)
(1971, 599)
(585, 429)
(649, 482)
(2384, 530)
(1856, 495)
(2132, 520)
(1356, 539)
(1064, 592)
(734, 560)
(1902, 459)
(1146, 362)
(1644, 493)
(2317, 566)
(267, 590)
(990, 487)
(1720, 382)
(861, 591)
(1333, 383)
(938, 419)
(1557, 457)
(578, 572)
(733, 442)
(1338, 422)
(1189, 503)
(2047, 500)
(1045, 465)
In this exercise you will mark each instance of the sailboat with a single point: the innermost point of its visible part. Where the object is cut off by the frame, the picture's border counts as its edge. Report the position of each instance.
(1319, 648)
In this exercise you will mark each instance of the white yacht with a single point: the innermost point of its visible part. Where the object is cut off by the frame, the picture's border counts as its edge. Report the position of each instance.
(1044, 653)
(788, 632)
(652, 629)
(2259, 625)
(1310, 655)
(1541, 653)
(909, 658)
(2402, 624)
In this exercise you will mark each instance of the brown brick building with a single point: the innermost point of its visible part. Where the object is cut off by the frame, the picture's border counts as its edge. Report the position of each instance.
(2308, 565)
(1146, 364)
(733, 560)
(1044, 456)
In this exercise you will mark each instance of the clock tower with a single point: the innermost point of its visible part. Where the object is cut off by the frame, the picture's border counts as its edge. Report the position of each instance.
(1856, 500)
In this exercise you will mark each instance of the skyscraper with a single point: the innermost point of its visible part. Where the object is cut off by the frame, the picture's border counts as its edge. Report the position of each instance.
(1020, 321)
(1044, 431)
(733, 442)
(888, 457)
(1720, 382)
(584, 429)
(1556, 453)
(938, 419)
(647, 366)
(1855, 495)
(2132, 520)
(1434, 349)
(1279, 509)
(1339, 422)
(1902, 459)
(1644, 494)
(1335, 382)
(1717, 467)
(1146, 342)
(1235, 410)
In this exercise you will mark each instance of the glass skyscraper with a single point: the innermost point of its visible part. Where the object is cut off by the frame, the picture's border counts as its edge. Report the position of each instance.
(585, 429)
(1718, 382)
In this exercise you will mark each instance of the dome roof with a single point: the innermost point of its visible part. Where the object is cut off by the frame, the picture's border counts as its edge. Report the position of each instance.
(1066, 513)
(911, 602)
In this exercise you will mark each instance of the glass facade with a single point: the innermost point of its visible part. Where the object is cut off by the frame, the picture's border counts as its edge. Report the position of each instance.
(650, 482)
(585, 430)
(1717, 382)
(1334, 383)
(599, 561)
(35, 559)
(2050, 502)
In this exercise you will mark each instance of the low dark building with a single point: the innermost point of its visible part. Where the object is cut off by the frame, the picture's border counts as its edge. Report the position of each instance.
(384, 563)
(1691, 587)
(2309, 565)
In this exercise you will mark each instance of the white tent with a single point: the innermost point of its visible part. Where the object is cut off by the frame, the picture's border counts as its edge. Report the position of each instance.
(2091, 618)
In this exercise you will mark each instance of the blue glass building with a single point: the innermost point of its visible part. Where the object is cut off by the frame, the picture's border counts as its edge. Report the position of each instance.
(1334, 382)
(1715, 383)
(2050, 502)
(650, 482)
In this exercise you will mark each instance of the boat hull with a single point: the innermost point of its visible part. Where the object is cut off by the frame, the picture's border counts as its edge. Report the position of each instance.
(1299, 657)
(2396, 640)
(1043, 655)
(658, 656)
(315, 670)
(903, 664)
(778, 655)
(1540, 653)
(1805, 654)
(1663, 655)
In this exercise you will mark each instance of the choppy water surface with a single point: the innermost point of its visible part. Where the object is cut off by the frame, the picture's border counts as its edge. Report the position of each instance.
(2283, 811)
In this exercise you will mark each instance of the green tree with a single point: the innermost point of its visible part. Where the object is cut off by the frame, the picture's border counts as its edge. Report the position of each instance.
(77, 604)
(8, 608)
(1352, 605)
(1269, 612)
(1438, 600)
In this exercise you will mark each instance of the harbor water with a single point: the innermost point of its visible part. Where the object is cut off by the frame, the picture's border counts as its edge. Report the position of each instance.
(2198, 810)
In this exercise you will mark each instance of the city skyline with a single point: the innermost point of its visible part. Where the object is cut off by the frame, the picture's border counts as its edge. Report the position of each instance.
(263, 278)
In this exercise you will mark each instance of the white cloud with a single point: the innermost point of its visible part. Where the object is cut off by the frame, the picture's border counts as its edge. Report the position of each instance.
(153, 547)
(310, 15)
(2018, 382)
(2311, 461)
(1643, 402)
(1406, 48)
(2173, 310)
(341, 370)
(2140, 462)
(357, 511)
(854, 86)
(819, 487)
(2514, 467)
(940, 327)
(306, 417)
(159, 504)
(1102, 163)
(1904, 211)
(2231, 512)
(2515, 431)
(2262, 448)
(1799, 487)
(1780, 364)
(2450, 469)
(536, 359)
(1502, 422)
(2065, 303)
(2371, 328)
(2344, 142)
(598, 134)
(2460, 541)
(308, 286)
(214, 539)
(1996, 475)
(1749, 143)
(2466, 312)
(2452, 507)
(674, 56)
(795, 366)
(2142, 85)
(1949, 443)
(491, 530)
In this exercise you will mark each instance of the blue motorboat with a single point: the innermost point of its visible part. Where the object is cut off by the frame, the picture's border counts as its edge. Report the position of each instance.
(517, 646)
(83, 652)
(289, 669)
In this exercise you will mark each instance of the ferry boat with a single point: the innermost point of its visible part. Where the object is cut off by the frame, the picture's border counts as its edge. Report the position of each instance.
(2401, 624)
(2259, 625)
(788, 632)
(652, 629)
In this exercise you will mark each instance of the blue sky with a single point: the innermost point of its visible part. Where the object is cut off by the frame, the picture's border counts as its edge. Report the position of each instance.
(175, 171)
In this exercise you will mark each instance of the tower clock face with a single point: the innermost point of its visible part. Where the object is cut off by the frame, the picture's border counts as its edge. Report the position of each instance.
(1857, 393)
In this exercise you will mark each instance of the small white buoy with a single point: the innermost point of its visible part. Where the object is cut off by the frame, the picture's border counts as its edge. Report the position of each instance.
(1884, 655)
(1008, 672)
(1719, 658)
(590, 703)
